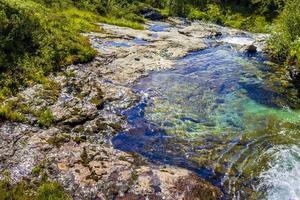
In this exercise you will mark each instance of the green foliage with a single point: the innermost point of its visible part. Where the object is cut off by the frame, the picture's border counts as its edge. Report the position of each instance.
(47, 39)
(36, 170)
(20, 191)
(284, 43)
(27, 191)
(121, 22)
(214, 13)
(51, 191)
(252, 15)
(7, 112)
(48, 35)
(46, 118)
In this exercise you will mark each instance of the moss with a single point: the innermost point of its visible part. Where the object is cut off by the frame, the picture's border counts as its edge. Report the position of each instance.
(51, 191)
(31, 190)
(98, 101)
(36, 170)
(19, 191)
(4, 93)
(84, 157)
(134, 177)
(46, 118)
(7, 112)
(78, 140)
(58, 140)
(70, 74)
(51, 90)
(123, 158)
(79, 129)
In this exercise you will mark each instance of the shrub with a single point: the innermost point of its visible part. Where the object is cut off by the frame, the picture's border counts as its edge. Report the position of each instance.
(284, 42)
(196, 14)
(214, 13)
(47, 39)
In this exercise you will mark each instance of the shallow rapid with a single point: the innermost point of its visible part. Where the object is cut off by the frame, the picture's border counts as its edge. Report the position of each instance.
(230, 118)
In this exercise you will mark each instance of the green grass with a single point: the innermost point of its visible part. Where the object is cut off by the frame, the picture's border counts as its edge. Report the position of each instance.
(46, 118)
(122, 22)
(7, 112)
(36, 170)
(51, 191)
(47, 40)
(48, 36)
(37, 190)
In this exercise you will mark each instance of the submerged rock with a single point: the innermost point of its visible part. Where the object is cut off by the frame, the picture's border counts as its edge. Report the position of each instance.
(251, 49)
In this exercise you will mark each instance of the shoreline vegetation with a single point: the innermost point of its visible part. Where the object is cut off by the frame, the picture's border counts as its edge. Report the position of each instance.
(39, 37)
(48, 32)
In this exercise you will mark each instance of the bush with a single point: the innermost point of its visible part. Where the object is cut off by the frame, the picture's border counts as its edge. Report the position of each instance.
(196, 14)
(214, 13)
(284, 42)
(47, 39)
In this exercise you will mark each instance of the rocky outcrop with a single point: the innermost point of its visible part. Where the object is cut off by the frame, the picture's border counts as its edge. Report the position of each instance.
(86, 103)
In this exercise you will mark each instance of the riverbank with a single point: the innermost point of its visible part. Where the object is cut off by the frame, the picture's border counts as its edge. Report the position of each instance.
(83, 107)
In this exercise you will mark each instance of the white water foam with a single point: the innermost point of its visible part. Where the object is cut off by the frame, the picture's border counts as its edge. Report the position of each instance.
(238, 40)
(282, 180)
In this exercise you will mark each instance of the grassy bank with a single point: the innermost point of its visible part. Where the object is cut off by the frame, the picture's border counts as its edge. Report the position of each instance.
(39, 37)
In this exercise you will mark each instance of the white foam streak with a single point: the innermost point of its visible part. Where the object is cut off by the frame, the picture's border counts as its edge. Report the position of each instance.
(282, 180)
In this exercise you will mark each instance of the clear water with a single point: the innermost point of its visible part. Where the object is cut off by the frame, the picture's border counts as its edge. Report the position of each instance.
(139, 41)
(231, 119)
(159, 27)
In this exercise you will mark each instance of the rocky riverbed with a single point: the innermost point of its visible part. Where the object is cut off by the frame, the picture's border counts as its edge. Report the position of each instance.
(86, 101)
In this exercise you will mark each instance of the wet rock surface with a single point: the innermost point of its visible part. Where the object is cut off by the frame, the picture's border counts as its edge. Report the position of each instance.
(86, 107)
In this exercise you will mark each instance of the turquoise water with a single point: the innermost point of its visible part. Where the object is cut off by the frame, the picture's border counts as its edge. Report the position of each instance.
(230, 118)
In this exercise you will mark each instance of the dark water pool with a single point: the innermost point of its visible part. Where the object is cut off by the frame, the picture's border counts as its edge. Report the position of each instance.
(231, 119)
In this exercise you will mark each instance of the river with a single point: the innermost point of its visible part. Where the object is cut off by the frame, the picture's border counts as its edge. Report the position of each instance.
(231, 118)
